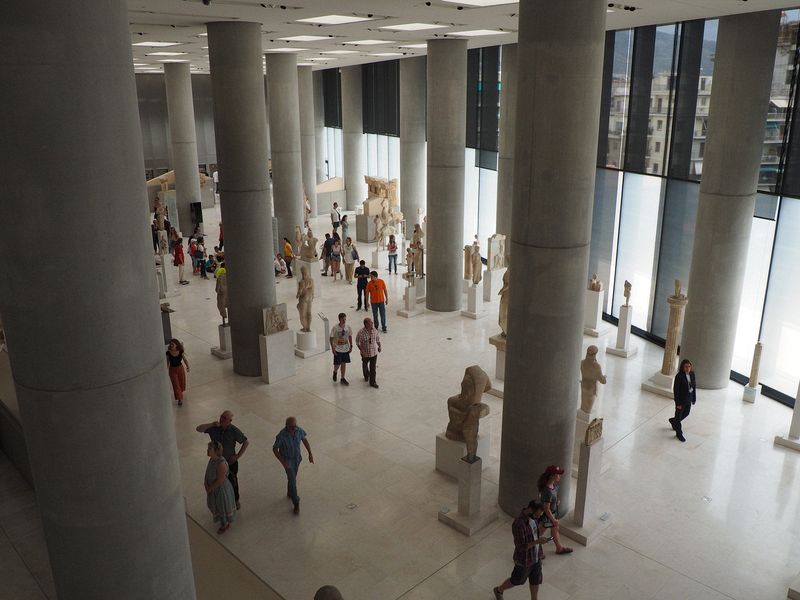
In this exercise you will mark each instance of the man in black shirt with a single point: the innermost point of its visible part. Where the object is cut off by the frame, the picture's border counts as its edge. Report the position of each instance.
(227, 434)
(362, 275)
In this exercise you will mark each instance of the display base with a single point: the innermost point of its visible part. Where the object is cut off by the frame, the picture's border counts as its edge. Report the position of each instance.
(277, 360)
(749, 394)
(492, 283)
(465, 283)
(410, 309)
(306, 345)
(621, 351)
(601, 330)
(314, 269)
(469, 525)
(420, 285)
(582, 421)
(449, 452)
(223, 351)
(659, 384)
(409, 314)
(787, 442)
(380, 259)
(475, 309)
(498, 384)
(585, 535)
(498, 388)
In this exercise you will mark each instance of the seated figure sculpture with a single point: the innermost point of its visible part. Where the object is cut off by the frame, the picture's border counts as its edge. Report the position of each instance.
(466, 409)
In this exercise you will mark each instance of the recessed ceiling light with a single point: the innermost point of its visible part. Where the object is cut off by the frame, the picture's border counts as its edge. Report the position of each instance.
(304, 38)
(414, 26)
(204, 47)
(166, 53)
(425, 45)
(305, 64)
(285, 49)
(340, 52)
(334, 19)
(322, 58)
(481, 2)
(608, 10)
(141, 65)
(156, 44)
(202, 34)
(478, 32)
(368, 42)
(387, 54)
(173, 60)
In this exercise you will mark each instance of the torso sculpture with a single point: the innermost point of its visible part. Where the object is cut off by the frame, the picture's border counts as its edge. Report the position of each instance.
(627, 292)
(591, 374)
(221, 287)
(477, 265)
(308, 247)
(305, 297)
(595, 284)
(503, 293)
(466, 410)
(467, 262)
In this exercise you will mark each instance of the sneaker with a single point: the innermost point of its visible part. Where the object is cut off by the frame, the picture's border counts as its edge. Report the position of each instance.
(498, 595)
(297, 509)
(679, 435)
(334, 375)
(344, 381)
(384, 330)
(375, 385)
(672, 422)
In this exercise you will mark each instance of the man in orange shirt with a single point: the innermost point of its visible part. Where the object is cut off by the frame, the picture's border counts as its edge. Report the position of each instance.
(378, 298)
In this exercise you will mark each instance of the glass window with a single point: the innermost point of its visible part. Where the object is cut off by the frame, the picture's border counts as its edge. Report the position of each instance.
(372, 154)
(607, 188)
(636, 250)
(394, 157)
(487, 206)
(383, 156)
(620, 89)
(471, 193)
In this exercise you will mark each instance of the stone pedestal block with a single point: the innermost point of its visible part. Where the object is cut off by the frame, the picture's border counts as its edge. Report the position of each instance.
(749, 394)
(659, 384)
(449, 452)
(306, 345)
(622, 347)
(593, 324)
(314, 269)
(224, 348)
(498, 383)
(380, 260)
(420, 285)
(277, 358)
(471, 516)
(492, 282)
(475, 309)
(793, 439)
(582, 421)
(410, 303)
(365, 229)
(584, 526)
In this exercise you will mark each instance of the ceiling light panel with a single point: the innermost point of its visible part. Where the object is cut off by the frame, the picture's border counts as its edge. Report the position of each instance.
(304, 38)
(166, 53)
(414, 27)
(156, 44)
(478, 32)
(340, 52)
(387, 54)
(481, 2)
(424, 45)
(368, 42)
(334, 19)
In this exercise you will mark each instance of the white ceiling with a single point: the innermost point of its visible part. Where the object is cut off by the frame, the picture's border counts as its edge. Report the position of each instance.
(184, 20)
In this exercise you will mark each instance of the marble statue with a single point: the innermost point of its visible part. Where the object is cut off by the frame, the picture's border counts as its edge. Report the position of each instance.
(306, 209)
(503, 293)
(496, 254)
(595, 284)
(467, 262)
(677, 305)
(627, 292)
(466, 409)
(753, 381)
(308, 247)
(305, 297)
(298, 238)
(418, 234)
(275, 319)
(591, 374)
(409, 260)
(221, 287)
(386, 223)
(477, 264)
(419, 259)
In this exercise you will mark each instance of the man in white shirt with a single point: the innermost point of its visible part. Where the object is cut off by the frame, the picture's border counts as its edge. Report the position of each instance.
(336, 216)
(341, 346)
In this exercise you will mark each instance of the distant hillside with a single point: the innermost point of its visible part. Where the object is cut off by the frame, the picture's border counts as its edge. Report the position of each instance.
(663, 55)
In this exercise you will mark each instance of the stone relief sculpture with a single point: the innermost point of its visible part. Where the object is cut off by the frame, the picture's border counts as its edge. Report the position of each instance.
(593, 432)
(466, 409)
(627, 292)
(595, 284)
(496, 254)
(467, 262)
(591, 375)
(503, 293)
(275, 319)
(305, 297)
(308, 247)
(221, 287)
(477, 264)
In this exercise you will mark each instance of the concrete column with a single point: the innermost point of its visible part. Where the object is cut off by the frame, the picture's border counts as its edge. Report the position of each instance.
(412, 139)
(237, 84)
(734, 143)
(447, 114)
(284, 119)
(355, 161)
(308, 140)
(559, 76)
(319, 126)
(266, 113)
(505, 156)
(85, 344)
(183, 140)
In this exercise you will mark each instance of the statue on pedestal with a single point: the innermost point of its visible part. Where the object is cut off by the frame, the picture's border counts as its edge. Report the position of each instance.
(591, 374)
(308, 247)
(305, 297)
(477, 264)
(503, 293)
(221, 288)
(466, 410)
(595, 284)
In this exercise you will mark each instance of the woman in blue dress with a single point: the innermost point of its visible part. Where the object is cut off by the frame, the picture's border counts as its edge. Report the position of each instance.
(219, 491)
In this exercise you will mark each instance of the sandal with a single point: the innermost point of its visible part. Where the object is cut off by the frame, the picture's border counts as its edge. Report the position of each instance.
(222, 530)
(564, 550)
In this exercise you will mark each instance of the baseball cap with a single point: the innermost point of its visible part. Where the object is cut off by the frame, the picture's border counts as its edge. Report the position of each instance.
(554, 470)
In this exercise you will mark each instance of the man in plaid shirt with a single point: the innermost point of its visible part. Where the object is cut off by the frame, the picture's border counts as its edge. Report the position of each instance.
(527, 542)
(368, 342)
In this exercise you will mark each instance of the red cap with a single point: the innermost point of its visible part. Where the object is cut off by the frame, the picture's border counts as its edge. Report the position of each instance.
(554, 470)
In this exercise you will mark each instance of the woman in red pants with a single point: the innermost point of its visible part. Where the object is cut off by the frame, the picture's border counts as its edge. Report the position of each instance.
(177, 374)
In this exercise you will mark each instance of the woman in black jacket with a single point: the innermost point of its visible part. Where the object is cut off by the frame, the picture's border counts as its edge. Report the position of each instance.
(683, 389)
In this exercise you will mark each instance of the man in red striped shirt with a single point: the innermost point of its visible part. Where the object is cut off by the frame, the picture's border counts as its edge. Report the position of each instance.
(368, 342)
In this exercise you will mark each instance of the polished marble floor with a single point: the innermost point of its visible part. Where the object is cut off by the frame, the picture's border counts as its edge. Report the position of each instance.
(717, 517)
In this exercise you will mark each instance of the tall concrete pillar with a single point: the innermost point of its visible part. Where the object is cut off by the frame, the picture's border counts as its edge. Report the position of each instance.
(355, 161)
(559, 76)
(85, 345)
(183, 141)
(308, 140)
(734, 143)
(447, 114)
(240, 127)
(412, 139)
(319, 127)
(284, 120)
(505, 156)
(266, 113)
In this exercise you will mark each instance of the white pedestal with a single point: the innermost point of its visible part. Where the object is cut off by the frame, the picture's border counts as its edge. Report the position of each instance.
(623, 345)
(584, 526)
(465, 283)
(793, 439)
(306, 345)
(277, 358)
(224, 348)
(380, 260)
(749, 394)
(313, 270)
(660, 384)
(449, 452)
(593, 324)
(410, 303)
(492, 283)
(475, 309)
(471, 516)
(582, 421)
(420, 285)
(498, 387)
